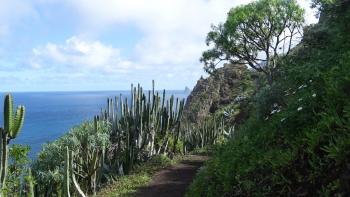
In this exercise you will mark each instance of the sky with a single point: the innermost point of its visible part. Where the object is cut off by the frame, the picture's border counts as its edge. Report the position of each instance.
(71, 45)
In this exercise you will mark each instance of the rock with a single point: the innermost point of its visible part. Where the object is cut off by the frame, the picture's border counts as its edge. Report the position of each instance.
(187, 90)
(217, 91)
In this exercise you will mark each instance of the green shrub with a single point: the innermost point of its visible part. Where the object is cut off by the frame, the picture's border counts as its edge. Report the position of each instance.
(18, 169)
(296, 141)
(48, 168)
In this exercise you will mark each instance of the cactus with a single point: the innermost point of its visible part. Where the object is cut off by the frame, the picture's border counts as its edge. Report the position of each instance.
(143, 123)
(69, 174)
(208, 133)
(140, 127)
(12, 126)
(66, 180)
(29, 184)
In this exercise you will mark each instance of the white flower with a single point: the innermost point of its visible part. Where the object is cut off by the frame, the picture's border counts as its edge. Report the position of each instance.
(310, 80)
(286, 91)
(283, 119)
(239, 98)
(302, 86)
(314, 95)
(278, 110)
(300, 108)
(300, 99)
(266, 118)
(273, 111)
(226, 114)
(293, 92)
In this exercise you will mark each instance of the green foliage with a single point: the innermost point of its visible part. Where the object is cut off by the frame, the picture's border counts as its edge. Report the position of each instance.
(257, 34)
(296, 141)
(209, 132)
(98, 152)
(18, 170)
(87, 144)
(29, 181)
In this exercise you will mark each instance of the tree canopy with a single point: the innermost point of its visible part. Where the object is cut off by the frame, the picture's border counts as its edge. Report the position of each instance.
(256, 34)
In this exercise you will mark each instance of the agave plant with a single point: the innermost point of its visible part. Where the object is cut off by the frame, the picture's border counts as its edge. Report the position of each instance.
(86, 144)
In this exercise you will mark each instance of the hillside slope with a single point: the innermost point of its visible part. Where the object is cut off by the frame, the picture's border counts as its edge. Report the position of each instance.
(218, 91)
(296, 141)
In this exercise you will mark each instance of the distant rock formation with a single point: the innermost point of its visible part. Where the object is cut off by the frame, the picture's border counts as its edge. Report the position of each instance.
(187, 90)
(218, 90)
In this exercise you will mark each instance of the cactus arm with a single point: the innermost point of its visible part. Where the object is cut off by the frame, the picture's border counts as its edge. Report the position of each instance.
(18, 122)
(77, 187)
(8, 113)
(30, 183)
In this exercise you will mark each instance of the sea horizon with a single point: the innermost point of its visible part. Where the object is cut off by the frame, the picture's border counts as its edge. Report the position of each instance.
(63, 91)
(51, 114)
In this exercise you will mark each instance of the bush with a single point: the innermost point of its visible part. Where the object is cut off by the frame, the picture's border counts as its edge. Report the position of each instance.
(297, 140)
(18, 169)
(48, 169)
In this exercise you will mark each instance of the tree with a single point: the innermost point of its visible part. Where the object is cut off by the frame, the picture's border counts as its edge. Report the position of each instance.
(322, 3)
(330, 8)
(256, 34)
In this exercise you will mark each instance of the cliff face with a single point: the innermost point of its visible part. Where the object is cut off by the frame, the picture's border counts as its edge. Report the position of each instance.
(228, 84)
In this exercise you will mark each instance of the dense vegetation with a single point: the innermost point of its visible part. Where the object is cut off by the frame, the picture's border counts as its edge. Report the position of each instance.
(281, 132)
(296, 141)
(129, 131)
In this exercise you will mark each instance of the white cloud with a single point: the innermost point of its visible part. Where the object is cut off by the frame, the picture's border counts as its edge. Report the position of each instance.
(80, 55)
(174, 31)
(173, 38)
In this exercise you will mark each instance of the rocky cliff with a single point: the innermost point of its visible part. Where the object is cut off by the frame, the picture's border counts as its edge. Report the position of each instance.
(228, 84)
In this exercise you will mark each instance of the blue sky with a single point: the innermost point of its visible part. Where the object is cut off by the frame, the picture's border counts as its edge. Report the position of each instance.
(68, 45)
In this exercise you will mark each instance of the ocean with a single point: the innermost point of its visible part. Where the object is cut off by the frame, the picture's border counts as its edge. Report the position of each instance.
(49, 115)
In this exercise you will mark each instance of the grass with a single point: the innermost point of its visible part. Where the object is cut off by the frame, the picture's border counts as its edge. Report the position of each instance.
(140, 176)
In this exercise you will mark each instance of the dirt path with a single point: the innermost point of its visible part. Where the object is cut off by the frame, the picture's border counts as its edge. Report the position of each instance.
(173, 181)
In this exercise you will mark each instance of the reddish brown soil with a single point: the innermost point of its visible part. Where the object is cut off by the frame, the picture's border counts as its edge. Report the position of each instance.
(173, 181)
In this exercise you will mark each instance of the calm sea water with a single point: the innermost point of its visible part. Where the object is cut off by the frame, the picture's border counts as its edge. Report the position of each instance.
(51, 114)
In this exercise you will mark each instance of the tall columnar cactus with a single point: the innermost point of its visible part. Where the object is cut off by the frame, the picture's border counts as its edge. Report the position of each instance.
(66, 175)
(143, 123)
(208, 133)
(12, 126)
(69, 175)
(29, 181)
